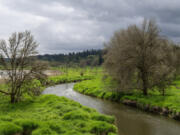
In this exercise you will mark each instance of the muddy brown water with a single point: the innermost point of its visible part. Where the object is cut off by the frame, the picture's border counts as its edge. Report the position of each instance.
(129, 121)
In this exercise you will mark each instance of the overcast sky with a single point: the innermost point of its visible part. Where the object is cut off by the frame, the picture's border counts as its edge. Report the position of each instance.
(62, 26)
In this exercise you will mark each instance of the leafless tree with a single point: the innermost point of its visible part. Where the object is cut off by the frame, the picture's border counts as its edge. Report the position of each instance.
(136, 56)
(16, 58)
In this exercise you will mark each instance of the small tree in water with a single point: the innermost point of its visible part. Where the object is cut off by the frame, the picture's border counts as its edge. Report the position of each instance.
(16, 58)
(137, 56)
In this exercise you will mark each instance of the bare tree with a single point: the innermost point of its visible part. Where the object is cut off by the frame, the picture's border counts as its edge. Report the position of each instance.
(16, 58)
(137, 55)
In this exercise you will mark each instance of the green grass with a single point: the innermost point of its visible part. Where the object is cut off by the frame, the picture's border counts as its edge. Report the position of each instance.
(52, 115)
(73, 75)
(99, 87)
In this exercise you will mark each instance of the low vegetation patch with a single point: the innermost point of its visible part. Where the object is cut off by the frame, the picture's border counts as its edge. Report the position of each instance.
(52, 115)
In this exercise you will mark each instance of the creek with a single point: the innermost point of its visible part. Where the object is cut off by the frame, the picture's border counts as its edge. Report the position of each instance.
(130, 121)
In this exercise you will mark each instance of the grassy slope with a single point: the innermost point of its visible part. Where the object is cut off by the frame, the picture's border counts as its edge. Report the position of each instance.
(96, 87)
(51, 115)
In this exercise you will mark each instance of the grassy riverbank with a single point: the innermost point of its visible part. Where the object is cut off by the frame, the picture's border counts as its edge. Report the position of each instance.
(154, 102)
(52, 115)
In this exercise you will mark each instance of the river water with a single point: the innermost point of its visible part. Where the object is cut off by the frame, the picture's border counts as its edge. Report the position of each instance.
(129, 121)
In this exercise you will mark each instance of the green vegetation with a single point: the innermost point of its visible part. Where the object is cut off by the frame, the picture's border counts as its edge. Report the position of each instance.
(99, 87)
(73, 75)
(52, 115)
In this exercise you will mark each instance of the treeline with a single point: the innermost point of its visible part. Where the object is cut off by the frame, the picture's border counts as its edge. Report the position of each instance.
(85, 58)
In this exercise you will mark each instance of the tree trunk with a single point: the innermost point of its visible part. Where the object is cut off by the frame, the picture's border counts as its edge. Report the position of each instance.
(145, 91)
(163, 92)
(145, 83)
(13, 99)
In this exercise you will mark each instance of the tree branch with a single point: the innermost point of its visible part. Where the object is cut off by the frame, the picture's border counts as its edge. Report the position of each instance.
(6, 93)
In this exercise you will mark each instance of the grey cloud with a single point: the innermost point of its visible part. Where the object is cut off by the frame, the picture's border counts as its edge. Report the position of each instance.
(72, 25)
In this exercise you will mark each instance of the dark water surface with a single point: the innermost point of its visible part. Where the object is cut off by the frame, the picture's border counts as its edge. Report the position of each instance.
(129, 121)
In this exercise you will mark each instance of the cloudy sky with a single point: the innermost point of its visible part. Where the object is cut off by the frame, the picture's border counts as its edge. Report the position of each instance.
(62, 26)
